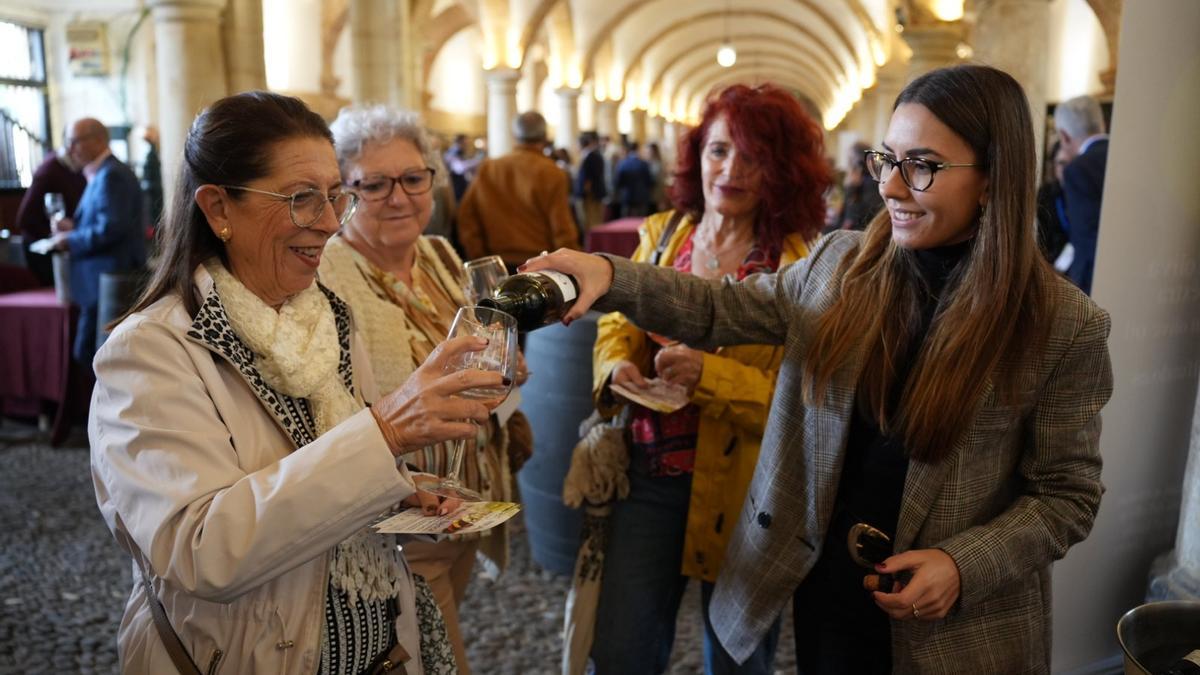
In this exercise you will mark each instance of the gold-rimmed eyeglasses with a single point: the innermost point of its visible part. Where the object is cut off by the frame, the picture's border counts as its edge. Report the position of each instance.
(378, 188)
(917, 172)
(307, 206)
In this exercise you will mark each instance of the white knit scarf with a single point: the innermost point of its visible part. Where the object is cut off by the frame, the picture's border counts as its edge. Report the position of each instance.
(297, 353)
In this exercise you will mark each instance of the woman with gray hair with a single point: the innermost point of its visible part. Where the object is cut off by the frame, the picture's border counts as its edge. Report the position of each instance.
(403, 290)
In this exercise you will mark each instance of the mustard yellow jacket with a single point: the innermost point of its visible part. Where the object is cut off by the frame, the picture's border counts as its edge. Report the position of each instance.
(734, 394)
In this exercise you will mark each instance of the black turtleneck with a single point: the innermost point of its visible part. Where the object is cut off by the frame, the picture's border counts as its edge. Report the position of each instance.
(872, 482)
(870, 490)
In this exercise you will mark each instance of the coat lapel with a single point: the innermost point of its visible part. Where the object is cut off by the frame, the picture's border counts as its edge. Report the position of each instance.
(924, 482)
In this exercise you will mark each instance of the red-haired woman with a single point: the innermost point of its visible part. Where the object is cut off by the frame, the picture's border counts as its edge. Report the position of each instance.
(747, 197)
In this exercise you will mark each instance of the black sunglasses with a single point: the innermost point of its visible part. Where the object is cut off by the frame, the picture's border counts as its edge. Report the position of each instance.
(869, 547)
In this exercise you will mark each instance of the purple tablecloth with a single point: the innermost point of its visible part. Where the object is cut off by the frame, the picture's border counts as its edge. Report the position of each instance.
(619, 237)
(35, 356)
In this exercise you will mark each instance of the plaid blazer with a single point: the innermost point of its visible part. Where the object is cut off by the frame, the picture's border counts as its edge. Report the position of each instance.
(1018, 489)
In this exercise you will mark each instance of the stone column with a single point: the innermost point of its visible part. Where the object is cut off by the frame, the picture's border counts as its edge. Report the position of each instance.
(658, 130)
(1148, 279)
(406, 84)
(606, 119)
(671, 134)
(889, 80)
(639, 126)
(1176, 574)
(243, 38)
(567, 134)
(933, 46)
(1025, 58)
(190, 62)
(501, 109)
(374, 54)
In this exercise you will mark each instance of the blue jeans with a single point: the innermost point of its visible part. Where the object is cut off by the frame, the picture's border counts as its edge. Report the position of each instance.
(642, 587)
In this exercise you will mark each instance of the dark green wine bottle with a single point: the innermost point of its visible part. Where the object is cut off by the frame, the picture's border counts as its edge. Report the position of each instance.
(534, 299)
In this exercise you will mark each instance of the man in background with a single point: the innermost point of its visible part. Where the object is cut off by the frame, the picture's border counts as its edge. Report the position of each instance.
(460, 165)
(517, 205)
(861, 192)
(58, 174)
(1081, 131)
(105, 234)
(590, 185)
(634, 183)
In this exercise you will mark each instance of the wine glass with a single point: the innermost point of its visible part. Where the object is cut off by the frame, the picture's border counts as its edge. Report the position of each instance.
(500, 355)
(483, 276)
(56, 207)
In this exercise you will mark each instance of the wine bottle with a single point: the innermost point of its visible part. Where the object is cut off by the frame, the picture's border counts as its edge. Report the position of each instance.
(534, 299)
(1186, 665)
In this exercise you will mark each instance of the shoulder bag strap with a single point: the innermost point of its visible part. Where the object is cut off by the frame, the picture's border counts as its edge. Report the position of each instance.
(170, 639)
(665, 239)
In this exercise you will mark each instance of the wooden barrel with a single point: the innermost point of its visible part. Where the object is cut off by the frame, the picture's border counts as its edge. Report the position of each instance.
(118, 292)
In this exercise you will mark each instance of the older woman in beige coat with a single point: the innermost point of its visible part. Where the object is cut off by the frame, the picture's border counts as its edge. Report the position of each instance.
(233, 452)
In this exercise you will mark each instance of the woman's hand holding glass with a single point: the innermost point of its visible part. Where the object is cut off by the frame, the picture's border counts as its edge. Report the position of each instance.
(498, 359)
(593, 273)
(425, 410)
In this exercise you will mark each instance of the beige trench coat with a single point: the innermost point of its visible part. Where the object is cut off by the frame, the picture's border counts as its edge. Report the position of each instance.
(235, 523)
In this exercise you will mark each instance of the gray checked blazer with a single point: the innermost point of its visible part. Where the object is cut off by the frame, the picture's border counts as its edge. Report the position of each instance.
(1019, 488)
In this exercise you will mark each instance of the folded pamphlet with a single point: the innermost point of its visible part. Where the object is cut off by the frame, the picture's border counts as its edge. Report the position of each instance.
(658, 395)
(470, 517)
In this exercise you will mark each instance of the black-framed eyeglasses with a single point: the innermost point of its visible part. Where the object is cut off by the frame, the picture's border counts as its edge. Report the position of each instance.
(917, 172)
(378, 188)
(307, 206)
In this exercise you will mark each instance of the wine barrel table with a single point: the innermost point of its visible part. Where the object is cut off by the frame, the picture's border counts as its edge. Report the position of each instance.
(556, 399)
(118, 292)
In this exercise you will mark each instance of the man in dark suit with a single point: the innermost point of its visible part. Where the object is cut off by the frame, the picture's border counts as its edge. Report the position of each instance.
(590, 185)
(1080, 125)
(105, 234)
(634, 183)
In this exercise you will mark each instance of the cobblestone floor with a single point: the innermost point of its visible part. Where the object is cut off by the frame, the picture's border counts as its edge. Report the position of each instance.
(63, 581)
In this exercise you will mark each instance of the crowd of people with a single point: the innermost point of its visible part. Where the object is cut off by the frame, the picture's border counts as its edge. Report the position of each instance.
(893, 397)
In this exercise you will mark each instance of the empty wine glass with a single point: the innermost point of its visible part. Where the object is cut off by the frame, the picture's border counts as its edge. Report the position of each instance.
(500, 355)
(483, 276)
(56, 207)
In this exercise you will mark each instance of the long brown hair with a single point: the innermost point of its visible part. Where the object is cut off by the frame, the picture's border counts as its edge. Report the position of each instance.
(995, 307)
(229, 144)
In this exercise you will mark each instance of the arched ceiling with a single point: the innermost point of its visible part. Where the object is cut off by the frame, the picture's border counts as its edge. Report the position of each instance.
(651, 54)
(671, 67)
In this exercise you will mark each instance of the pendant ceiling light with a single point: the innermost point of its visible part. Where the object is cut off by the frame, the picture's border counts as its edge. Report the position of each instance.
(727, 55)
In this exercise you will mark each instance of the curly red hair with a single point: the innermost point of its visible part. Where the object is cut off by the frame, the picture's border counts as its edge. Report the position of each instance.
(768, 124)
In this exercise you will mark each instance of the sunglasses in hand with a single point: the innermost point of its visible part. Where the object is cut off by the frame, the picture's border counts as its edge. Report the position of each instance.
(869, 547)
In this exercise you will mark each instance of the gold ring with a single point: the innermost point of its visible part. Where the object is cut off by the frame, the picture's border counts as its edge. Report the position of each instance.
(916, 614)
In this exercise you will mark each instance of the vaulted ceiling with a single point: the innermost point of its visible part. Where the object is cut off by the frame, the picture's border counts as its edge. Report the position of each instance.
(659, 55)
